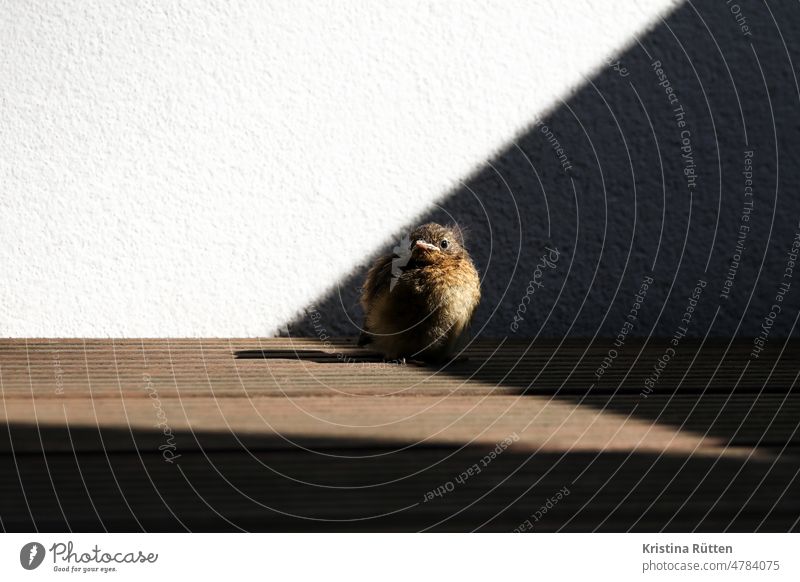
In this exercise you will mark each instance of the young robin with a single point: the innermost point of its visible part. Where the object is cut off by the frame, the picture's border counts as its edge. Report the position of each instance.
(419, 301)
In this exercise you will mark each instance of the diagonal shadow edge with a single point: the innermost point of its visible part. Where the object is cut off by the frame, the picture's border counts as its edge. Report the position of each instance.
(606, 118)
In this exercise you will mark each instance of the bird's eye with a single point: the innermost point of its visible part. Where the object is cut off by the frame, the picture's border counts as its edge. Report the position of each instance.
(444, 244)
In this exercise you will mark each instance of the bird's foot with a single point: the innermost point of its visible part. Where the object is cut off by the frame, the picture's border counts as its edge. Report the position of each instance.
(406, 362)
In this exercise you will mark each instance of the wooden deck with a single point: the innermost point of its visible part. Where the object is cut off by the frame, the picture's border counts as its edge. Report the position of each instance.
(286, 434)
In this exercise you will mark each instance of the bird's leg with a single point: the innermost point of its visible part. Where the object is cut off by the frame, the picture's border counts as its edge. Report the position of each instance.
(403, 361)
(419, 363)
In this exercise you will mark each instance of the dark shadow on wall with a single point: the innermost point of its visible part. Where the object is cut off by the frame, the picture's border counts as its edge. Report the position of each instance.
(115, 480)
(627, 180)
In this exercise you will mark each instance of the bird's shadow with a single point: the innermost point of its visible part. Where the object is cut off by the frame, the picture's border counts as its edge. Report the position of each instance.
(339, 357)
(318, 356)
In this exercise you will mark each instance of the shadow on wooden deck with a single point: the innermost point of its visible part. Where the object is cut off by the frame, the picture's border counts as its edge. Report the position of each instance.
(373, 486)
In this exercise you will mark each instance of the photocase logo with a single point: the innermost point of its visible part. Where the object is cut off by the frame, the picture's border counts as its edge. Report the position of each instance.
(31, 555)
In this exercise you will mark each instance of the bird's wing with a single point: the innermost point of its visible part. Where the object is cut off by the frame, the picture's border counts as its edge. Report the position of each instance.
(476, 299)
(378, 280)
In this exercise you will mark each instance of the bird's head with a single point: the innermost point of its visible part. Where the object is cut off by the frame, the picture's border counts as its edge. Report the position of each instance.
(435, 244)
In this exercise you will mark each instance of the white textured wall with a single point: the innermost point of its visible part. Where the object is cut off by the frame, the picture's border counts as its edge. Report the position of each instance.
(209, 168)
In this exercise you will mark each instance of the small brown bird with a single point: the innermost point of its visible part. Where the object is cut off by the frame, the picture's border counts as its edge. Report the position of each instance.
(419, 301)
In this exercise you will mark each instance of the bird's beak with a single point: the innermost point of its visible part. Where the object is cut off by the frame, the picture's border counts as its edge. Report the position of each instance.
(422, 245)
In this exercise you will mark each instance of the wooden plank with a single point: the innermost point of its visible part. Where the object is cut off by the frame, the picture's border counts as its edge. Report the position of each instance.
(288, 433)
(204, 367)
